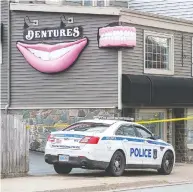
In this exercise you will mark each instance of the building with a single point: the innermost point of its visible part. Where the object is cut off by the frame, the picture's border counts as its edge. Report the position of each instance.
(176, 9)
(103, 61)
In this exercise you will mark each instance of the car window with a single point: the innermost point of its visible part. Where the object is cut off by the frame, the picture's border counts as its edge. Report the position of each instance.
(126, 131)
(143, 132)
(88, 127)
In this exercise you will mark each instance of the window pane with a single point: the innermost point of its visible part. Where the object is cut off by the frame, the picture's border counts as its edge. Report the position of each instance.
(148, 64)
(120, 131)
(129, 131)
(157, 52)
(100, 3)
(126, 131)
(149, 48)
(143, 133)
(88, 3)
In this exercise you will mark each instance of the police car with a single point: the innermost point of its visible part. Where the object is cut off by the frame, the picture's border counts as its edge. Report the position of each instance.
(111, 144)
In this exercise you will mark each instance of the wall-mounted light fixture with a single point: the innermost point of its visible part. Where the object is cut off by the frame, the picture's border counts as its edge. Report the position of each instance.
(62, 24)
(69, 20)
(33, 22)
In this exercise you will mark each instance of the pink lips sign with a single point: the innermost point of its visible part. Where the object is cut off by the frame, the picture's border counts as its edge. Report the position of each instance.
(114, 35)
(52, 58)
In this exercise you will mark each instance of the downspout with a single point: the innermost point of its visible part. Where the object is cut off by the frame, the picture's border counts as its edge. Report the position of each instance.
(8, 60)
(120, 79)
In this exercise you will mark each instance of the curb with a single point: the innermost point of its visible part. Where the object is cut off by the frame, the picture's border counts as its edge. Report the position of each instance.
(150, 186)
(118, 187)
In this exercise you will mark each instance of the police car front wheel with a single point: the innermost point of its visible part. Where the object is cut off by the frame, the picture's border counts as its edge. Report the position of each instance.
(117, 164)
(167, 163)
(62, 169)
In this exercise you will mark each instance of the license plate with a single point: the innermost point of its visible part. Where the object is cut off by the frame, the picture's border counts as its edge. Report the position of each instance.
(63, 158)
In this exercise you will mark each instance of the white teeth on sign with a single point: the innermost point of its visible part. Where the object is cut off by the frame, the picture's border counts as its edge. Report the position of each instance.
(118, 35)
(46, 56)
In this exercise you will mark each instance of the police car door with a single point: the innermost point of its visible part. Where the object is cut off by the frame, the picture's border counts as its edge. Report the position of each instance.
(150, 151)
(127, 135)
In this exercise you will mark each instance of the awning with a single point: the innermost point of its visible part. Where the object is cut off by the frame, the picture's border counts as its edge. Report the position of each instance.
(136, 90)
(148, 90)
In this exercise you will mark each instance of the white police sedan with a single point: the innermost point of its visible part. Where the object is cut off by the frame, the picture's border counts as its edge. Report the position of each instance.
(112, 145)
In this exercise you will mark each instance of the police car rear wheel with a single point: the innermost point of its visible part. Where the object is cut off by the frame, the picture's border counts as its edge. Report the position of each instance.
(167, 163)
(62, 169)
(117, 164)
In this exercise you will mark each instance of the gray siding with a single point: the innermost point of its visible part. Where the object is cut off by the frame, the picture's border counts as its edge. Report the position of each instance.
(92, 81)
(4, 20)
(133, 59)
(178, 8)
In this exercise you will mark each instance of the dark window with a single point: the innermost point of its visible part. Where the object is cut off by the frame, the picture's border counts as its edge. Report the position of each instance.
(144, 133)
(126, 131)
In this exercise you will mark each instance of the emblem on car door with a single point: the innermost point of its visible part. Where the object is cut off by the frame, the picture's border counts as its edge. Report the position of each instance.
(155, 153)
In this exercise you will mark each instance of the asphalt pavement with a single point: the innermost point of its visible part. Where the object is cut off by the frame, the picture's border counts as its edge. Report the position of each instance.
(81, 180)
(37, 166)
(172, 188)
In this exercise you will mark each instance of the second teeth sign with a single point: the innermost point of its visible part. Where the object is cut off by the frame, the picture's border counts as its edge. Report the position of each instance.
(117, 36)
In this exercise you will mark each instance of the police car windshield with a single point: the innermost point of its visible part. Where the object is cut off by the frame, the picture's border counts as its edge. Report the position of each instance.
(88, 127)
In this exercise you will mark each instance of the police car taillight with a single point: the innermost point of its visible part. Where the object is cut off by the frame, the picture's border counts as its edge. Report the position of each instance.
(90, 140)
(51, 138)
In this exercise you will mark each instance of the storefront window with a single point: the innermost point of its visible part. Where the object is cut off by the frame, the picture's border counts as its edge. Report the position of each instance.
(190, 131)
(155, 128)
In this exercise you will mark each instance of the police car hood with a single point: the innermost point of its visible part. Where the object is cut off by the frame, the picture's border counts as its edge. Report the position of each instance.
(161, 142)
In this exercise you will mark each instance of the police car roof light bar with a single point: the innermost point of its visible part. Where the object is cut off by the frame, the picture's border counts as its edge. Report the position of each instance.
(129, 119)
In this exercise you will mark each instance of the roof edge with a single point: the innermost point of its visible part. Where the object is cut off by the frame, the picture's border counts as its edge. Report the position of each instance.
(65, 9)
(155, 20)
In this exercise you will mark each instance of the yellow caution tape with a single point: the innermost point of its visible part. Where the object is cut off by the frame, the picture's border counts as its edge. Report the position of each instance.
(49, 126)
(165, 120)
(64, 125)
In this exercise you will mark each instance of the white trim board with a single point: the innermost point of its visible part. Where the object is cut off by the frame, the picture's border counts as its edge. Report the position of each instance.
(157, 21)
(65, 9)
(126, 15)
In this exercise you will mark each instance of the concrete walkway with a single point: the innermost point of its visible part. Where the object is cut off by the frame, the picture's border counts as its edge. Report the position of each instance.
(96, 181)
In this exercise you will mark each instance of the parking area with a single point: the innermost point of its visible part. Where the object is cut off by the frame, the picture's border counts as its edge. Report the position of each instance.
(43, 178)
(38, 167)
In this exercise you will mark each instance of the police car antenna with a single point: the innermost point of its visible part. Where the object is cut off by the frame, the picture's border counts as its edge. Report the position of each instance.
(129, 119)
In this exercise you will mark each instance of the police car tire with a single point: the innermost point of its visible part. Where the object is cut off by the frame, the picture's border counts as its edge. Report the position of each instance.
(163, 170)
(62, 169)
(110, 168)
